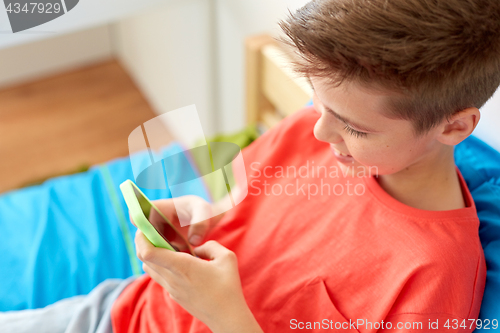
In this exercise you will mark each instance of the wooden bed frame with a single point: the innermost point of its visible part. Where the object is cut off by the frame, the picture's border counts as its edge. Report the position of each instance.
(273, 90)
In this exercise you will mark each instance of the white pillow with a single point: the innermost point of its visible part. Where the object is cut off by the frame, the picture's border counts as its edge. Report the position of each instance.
(488, 128)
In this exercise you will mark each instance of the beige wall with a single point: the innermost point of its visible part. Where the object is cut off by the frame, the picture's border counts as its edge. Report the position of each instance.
(50, 56)
(488, 127)
(86, 14)
(168, 52)
(237, 19)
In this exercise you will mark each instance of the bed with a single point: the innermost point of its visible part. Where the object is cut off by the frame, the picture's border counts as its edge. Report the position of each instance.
(273, 91)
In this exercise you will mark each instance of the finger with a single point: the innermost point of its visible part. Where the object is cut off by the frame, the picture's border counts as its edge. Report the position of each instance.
(212, 250)
(160, 280)
(191, 209)
(147, 252)
(142, 247)
(167, 274)
(155, 276)
(198, 231)
(166, 206)
(201, 210)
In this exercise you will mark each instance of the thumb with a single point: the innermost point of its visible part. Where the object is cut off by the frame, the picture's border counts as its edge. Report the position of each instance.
(198, 231)
(192, 209)
(211, 250)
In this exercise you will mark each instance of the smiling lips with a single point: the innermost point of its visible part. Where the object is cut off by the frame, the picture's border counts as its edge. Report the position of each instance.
(341, 157)
(339, 152)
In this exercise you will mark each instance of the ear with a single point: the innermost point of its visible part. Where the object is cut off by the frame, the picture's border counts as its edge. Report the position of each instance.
(459, 126)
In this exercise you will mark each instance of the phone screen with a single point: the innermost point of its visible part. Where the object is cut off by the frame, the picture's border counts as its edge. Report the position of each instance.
(163, 228)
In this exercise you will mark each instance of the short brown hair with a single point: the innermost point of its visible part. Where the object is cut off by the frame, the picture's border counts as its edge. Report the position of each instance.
(442, 55)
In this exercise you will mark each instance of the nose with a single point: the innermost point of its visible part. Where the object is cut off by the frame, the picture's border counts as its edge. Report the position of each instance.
(335, 137)
(328, 130)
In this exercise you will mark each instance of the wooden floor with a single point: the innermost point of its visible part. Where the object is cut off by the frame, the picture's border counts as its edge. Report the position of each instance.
(57, 125)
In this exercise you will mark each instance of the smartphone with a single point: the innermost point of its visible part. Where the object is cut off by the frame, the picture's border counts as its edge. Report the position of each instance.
(152, 222)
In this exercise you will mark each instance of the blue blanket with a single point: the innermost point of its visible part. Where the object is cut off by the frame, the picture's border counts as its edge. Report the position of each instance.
(480, 166)
(64, 237)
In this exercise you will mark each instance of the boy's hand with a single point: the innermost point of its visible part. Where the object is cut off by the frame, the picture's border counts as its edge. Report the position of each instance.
(192, 210)
(210, 290)
(189, 208)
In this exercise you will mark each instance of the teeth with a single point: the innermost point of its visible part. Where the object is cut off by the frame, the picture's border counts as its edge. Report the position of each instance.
(341, 153)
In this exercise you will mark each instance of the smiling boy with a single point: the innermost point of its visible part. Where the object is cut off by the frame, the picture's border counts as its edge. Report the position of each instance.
(397, 84)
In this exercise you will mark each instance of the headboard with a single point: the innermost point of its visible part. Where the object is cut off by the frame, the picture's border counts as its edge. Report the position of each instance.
(273, 90)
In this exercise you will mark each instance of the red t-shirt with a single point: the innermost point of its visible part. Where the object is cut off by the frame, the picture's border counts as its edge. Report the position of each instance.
(320, 250)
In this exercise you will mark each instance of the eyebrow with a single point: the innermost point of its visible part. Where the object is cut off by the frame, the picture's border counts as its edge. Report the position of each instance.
(348, 122)
(345, 120)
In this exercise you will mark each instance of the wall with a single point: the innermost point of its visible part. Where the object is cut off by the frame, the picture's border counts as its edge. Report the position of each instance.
(488, 127)
(235, 20)
(50, 56)
(86, 14)
(168, 53)
(77, 38)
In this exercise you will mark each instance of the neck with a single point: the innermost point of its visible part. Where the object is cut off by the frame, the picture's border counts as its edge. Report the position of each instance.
(431, 183)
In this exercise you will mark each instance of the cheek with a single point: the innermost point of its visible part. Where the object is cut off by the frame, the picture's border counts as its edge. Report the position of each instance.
(386, 158)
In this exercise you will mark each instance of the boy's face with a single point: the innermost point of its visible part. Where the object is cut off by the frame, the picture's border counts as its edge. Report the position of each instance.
(353, 123)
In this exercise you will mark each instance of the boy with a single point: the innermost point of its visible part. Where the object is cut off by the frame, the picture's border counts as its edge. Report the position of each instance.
(319, 242)
(397, 84)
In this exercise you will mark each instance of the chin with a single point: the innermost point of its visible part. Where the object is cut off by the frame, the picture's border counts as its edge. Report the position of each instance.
(357, 169)
(349, 170)
(381, 171)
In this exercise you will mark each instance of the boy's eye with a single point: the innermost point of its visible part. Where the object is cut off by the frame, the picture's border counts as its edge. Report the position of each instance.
(347, 128)
(354, 132)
